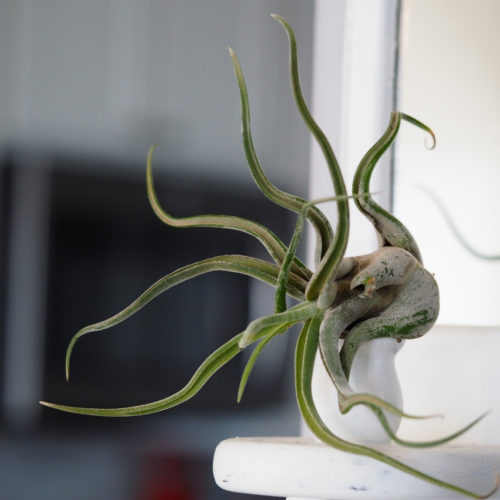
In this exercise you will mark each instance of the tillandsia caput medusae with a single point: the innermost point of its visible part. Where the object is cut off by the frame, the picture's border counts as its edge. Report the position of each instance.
(385, 294)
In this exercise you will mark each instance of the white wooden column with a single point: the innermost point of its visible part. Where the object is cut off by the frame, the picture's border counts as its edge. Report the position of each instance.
(353, 78)
(326, 107)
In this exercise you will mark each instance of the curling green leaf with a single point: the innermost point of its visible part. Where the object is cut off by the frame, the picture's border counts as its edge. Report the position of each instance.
(219, 358)
(255, 354)
(281, 284)
(232, 263)
(333, 256)
(271, 242)
(296, 314)
(346, 403)
(422, 444)
(320, 223)
(421, 125)
(389, 227)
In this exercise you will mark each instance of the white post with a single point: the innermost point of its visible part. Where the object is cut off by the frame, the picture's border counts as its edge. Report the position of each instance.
(327, 81)
(354, 49)
(353, 68)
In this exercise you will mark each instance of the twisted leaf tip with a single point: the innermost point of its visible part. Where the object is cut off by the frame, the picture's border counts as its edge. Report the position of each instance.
(422, 126)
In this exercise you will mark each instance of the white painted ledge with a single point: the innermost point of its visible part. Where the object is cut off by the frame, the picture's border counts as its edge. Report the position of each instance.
(302, 468)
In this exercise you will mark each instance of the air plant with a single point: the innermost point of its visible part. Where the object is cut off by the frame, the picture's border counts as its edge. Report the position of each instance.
(384, 294)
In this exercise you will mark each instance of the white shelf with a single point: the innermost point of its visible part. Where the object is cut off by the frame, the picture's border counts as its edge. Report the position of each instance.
(304, 468)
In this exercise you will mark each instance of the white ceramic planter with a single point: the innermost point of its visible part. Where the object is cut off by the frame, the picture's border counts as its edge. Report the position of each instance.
(373, 372)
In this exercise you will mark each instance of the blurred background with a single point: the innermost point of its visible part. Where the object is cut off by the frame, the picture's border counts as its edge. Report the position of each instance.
(86, 87)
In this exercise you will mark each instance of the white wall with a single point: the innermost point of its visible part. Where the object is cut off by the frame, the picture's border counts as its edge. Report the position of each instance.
(451, 81)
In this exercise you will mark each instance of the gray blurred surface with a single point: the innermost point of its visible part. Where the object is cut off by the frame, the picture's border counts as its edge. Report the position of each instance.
(52, 470)
(113, 77)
